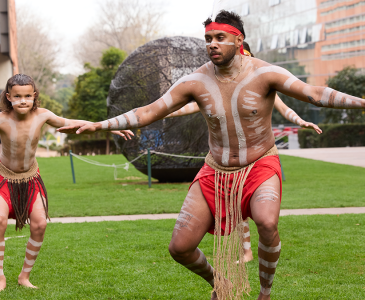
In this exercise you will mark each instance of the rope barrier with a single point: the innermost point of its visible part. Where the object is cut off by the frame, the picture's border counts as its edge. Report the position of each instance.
(125, 166)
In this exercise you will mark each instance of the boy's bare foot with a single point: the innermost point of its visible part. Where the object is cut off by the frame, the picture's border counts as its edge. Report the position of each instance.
(214, 296)
(2, 282)
(25, 282)
(246, 257)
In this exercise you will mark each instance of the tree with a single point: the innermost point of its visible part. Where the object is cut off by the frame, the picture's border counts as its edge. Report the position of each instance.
(123, 24)
(89, 99)
(50, 104)
(37, 52)
(350, 81)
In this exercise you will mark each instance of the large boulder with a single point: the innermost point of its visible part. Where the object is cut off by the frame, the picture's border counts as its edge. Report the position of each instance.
(143, 78)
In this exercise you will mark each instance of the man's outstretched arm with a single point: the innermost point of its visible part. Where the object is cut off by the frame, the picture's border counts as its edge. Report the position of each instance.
(178, 96)
(286, 83)
(188, 109)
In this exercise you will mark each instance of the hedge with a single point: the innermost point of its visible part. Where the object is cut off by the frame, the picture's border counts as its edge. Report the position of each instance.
(334, 135)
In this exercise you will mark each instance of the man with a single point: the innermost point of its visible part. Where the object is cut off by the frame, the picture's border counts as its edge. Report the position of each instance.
(242, 176)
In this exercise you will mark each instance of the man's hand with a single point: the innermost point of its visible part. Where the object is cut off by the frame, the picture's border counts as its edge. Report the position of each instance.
(310, 125)
(124, 133)
(78, 128)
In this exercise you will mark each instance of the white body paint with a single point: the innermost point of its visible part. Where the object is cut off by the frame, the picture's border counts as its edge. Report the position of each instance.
(220, 43)
(34, 243)
(33, 253)
(21, 101)
(267, 276)
(268, 264)
(270, 249)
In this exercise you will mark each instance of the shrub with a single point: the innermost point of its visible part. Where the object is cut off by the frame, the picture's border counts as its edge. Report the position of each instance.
(334, 135)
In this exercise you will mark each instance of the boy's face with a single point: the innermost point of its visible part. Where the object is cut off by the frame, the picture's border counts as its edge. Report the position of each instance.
(21, 98)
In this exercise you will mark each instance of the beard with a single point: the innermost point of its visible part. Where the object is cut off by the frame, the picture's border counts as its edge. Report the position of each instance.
(226, 57)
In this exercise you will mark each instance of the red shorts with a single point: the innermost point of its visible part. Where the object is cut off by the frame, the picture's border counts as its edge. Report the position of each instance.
(5, 194)
(263, 169)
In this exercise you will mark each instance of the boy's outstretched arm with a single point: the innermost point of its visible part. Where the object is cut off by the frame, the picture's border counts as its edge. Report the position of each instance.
(291, 115)
(176, 97)
(56, 121)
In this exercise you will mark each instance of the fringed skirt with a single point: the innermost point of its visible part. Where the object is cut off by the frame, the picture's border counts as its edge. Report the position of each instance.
(228, 196)
(20, 190)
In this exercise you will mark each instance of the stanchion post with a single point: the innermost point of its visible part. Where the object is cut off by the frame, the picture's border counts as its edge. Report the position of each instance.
(72, 167)
(149, 167)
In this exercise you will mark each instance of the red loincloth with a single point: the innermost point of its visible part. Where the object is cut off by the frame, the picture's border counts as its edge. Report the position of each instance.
(263, 169)
(32, 190)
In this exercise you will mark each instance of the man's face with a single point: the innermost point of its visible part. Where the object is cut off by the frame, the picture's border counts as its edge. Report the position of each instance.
(221, 46)
(21, 98)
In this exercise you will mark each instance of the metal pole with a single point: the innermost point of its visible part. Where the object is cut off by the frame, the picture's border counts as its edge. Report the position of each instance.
(72, 167)
(282, 170)
(149, 167)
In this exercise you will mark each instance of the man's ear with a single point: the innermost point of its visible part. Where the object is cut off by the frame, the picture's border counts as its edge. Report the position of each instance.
(7, 96)
(240, 39)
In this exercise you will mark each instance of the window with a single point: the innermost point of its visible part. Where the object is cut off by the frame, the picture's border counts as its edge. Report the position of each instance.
(274, 42)
(316, 32)
(274, 2)
(259, 45)
(295, 38)
(245, 9)
(303, 35)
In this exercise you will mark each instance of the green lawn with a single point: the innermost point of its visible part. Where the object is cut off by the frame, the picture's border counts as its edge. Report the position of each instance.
(309, 184)
(322, 258)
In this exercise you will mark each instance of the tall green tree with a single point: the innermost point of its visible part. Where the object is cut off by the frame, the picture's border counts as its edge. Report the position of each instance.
(350, 81)
(89, 100)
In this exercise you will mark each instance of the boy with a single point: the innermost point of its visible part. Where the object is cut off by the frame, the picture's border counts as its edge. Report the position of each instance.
(22, 193)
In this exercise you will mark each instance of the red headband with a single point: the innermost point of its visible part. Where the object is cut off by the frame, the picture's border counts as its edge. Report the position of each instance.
(224, 27)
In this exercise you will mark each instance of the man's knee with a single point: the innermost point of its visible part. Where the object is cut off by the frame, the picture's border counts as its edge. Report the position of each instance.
(268, 229)
(179, 250)
(38, 227)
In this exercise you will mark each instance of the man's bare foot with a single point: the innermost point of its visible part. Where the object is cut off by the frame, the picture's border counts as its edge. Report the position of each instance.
(214, 296)
(25, 282)
(263, 297)
(2, 282)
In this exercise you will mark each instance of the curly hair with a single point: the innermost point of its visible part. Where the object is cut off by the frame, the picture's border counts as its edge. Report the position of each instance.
(227, 17)
(18, 79)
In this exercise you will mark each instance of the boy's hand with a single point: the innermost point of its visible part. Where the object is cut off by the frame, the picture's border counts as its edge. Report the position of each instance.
(123, 133)
(78, 128)
(310, 125)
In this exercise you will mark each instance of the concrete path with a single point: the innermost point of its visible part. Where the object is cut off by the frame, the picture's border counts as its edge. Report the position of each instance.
(283, 212)
(354, 156)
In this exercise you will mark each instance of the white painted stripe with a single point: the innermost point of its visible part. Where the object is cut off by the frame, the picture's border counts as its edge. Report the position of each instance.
(1, 272)
(34, 243)
(167, 99)
(27, 270)
(104, 124)
(287, 112)
(268, 264)
(253, 93)
(247, 245)
(326, 96)
(290, 81)
(132, 119)
(2, 244)
(205, 95)
(2, 253)
(1, 262)
(246, 234)
(265, 291)
(270, 249)
(267, 276)
(29, 262)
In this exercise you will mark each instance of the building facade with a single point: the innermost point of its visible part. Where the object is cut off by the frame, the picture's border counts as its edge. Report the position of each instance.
(313, 39)
(8, 41)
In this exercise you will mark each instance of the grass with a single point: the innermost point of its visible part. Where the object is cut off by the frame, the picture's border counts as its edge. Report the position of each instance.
(309, 184)
(322, 258)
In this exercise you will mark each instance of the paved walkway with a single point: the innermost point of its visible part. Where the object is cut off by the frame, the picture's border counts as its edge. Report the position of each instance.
(354, 156)
(283, 212)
